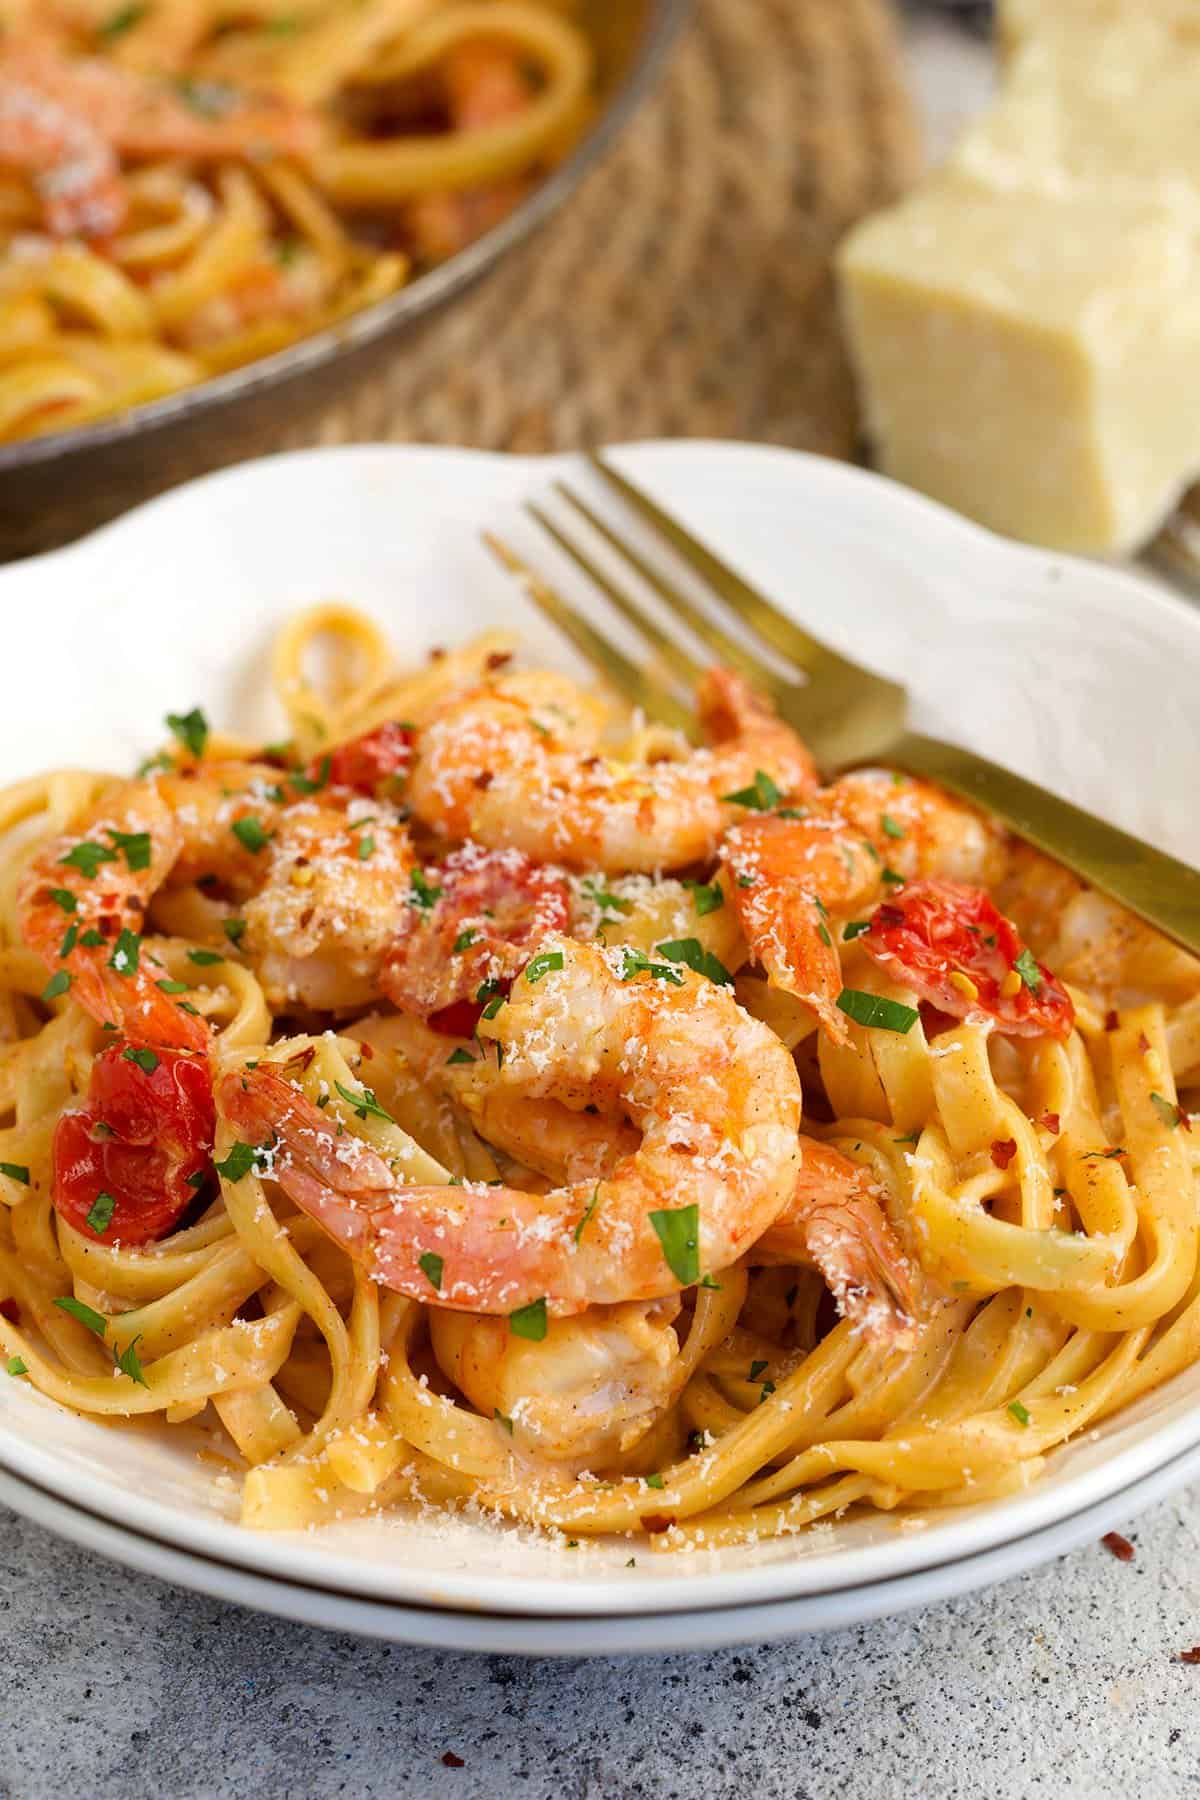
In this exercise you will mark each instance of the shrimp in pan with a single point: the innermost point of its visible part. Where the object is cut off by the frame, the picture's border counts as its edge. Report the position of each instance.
(504, 767)
(713, 1091)
(317, 879)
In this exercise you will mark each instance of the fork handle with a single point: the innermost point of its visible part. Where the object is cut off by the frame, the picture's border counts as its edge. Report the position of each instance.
(1157, 887)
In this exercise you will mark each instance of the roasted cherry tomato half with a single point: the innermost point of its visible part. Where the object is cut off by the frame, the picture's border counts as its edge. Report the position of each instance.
(471, 928)
(366, 763)
(948, 942)
(134, 1158)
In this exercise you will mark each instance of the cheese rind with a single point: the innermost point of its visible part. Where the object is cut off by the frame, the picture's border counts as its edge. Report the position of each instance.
(1026, 326)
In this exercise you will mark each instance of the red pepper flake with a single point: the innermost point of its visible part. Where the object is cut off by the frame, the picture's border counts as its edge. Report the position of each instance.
(1143, 1042)
(1118, 1546)
(1052, 1122)
(11, 1311)
(496, 659)
(1189, 1656)
(302, 1059)
(1003, 1151)
(484, 780)
(1111, 1021)
(657, 1522)
(368, 1054)
(453, 1762)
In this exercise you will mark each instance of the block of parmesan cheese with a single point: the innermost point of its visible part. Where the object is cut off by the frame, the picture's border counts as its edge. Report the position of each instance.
(1026, 326)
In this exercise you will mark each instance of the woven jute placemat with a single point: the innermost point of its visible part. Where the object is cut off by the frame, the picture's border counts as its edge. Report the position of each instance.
(685, 290)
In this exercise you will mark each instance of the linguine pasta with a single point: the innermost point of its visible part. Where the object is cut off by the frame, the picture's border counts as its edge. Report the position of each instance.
(188, 185)
(965, 1231)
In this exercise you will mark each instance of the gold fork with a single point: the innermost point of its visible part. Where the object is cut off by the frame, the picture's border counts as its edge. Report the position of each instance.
(846, 714)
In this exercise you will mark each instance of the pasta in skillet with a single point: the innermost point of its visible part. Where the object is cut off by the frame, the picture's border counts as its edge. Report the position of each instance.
(482, 1097)
(188, 185)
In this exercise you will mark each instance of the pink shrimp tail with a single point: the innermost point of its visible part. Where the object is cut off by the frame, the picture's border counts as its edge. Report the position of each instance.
(835, 1223)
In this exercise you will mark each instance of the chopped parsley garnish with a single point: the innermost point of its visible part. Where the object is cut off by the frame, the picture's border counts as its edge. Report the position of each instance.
(464, 940)
(502, 1419)
(309, 784)
(124, 958)
(65, 898)
(204, 959)
(823, 934)
(56, 986)
(890, 876)
(128, 1362)
(191, 728)
(251, 833)
(69, 939)
(543, 964)
(1027, 968)
(100, 1212)
(1020, 1413)
(855, 929)
(709, 1281)
(431, 1266)
(1167, 1111)
(364, 1102)
(16, 1366)
(15, 1172)
(588, 1211)
(874, 1010)
(745, 881)
(85, 1314)
(654, 1481)
(459, 1056)
(914, 1137)
(88, 858)
(118, 23)
(241, 1159)
(636, 962)
(422, 893)
(708, 896)
(145, 1059)
(212, 100)
(92, 939)
(756, 1369)
(529, 1321)
(603, 897)
(134, 847)
(765, 1391)
(366, 848)
(172, 987)
(197, 1180)
(761, 796)
(890, 827)
(493, 1006)
(235, 930)
(1110, 1155)
(692, 952)
(677, 1229)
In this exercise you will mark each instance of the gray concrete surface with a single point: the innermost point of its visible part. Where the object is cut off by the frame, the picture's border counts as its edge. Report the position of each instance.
(115, 1686)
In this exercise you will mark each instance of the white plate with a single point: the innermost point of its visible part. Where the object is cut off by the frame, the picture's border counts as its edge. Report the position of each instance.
(1073, 674)
(593, 1635)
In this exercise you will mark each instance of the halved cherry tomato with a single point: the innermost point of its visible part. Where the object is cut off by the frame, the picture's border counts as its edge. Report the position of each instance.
(366, 762)
(949, 943)
(145, 1138)
(493, 909)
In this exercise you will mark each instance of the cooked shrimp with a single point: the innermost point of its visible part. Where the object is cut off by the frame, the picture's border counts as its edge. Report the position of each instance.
(74, 170)
(495, 767)
(789, 874)
(485, 85)
(320, 881)
(713, 1091)
(141, 116)
(585, 1394)
(835, 1222)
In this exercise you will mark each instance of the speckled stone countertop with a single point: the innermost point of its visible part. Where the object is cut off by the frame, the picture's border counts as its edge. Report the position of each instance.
(1063, 1683)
